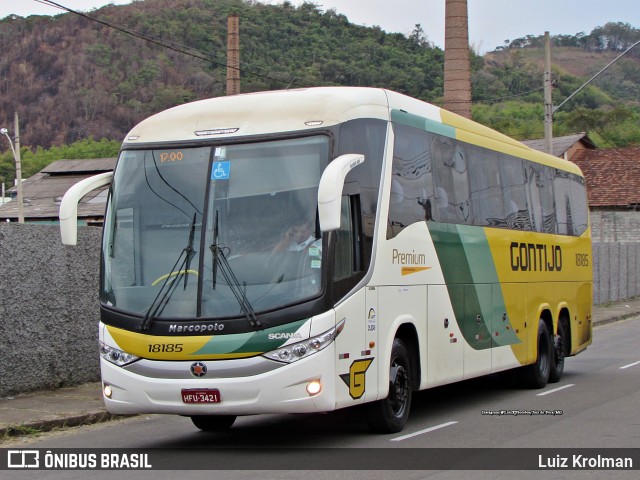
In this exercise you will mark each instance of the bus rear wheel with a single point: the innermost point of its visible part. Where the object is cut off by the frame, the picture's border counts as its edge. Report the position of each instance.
(537, 374)
(559, 352)
(213, 423)
(390, 415)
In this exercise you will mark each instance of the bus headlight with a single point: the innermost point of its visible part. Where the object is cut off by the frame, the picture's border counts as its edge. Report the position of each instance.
(116, 356)
(295, 351)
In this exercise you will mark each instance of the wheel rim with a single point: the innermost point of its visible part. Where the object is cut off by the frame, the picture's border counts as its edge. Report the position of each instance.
(398, 388)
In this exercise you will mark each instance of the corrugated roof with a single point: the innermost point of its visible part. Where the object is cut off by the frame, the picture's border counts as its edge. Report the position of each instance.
(560, 144)
(93, 166)
(43, 191)
(612, 175)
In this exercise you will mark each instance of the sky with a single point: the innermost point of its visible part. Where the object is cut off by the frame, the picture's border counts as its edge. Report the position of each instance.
(491, 22)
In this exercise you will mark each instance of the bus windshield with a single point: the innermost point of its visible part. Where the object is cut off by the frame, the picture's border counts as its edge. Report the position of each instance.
(217, 231)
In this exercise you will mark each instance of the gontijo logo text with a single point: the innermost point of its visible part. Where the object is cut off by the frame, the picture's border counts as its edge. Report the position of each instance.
(535, 257)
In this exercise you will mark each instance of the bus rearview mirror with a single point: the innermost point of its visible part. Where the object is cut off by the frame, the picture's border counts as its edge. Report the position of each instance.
(330, 189)
(68, 213)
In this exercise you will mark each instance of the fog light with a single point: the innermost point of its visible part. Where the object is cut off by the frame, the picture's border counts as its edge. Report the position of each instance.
(107, 391)
(314, 387)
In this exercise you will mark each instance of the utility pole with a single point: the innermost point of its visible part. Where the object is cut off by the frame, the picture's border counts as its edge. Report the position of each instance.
(549, 109)
(233, 54)
(548, 102)
(15, 149)
(16, 129)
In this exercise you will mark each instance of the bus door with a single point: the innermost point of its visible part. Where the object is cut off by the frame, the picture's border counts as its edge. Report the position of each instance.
(357, 345)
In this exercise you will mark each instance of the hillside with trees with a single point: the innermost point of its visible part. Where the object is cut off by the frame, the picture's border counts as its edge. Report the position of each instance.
(507, 86)
(71, 78)
(77, 82)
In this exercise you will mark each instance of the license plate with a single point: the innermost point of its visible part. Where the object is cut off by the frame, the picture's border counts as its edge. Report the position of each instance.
(208, 395)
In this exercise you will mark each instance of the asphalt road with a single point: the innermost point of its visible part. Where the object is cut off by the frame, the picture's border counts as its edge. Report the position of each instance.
(594, 406)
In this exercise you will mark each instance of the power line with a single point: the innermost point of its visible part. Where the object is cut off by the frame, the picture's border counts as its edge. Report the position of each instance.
(515, 95)
(176, 47)
(595, 76)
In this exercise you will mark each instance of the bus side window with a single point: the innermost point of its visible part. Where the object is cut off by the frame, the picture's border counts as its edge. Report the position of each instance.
(487, 203)
(579, 205)
(542, 199)
(565, 215)
(411, 199)
(451, 181)
(571, 204)
(514, 190)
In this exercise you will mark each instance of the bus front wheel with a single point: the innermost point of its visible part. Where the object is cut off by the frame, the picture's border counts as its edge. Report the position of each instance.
(390, 415)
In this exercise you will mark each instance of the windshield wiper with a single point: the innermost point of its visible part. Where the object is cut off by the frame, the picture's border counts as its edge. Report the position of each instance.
(189, 251)
(220, 259)
(169, 286)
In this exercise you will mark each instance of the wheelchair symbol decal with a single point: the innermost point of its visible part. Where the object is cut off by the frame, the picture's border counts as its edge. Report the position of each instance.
(220, 171)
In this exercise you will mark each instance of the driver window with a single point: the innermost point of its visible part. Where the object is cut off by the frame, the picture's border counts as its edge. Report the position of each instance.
(348, 258)
(344, 244)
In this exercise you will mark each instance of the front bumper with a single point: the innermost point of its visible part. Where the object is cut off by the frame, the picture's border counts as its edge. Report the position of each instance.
(247, 386)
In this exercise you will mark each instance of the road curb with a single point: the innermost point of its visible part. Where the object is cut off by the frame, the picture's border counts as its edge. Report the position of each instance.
(617, 318)
(46, 425)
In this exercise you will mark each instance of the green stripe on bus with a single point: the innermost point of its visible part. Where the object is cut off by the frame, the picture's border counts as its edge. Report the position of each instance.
(422, 123)
(258, 341)
(473, 285)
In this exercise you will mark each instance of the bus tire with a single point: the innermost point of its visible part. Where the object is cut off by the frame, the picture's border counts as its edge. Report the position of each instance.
(390, 415)
(559, 352)
(213, 423)
(537, 374)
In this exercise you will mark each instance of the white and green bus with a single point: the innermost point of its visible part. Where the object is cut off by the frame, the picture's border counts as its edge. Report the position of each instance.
(315, 249)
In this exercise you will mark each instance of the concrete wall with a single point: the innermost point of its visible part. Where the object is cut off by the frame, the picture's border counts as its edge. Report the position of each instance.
(49, 303)
(616, 255)
(48, 308)
(616, 272)
(615, 226)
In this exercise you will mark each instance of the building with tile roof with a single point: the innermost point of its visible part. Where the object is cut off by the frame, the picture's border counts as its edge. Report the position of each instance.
(613, 176)
(566, 146)
(613, 186)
